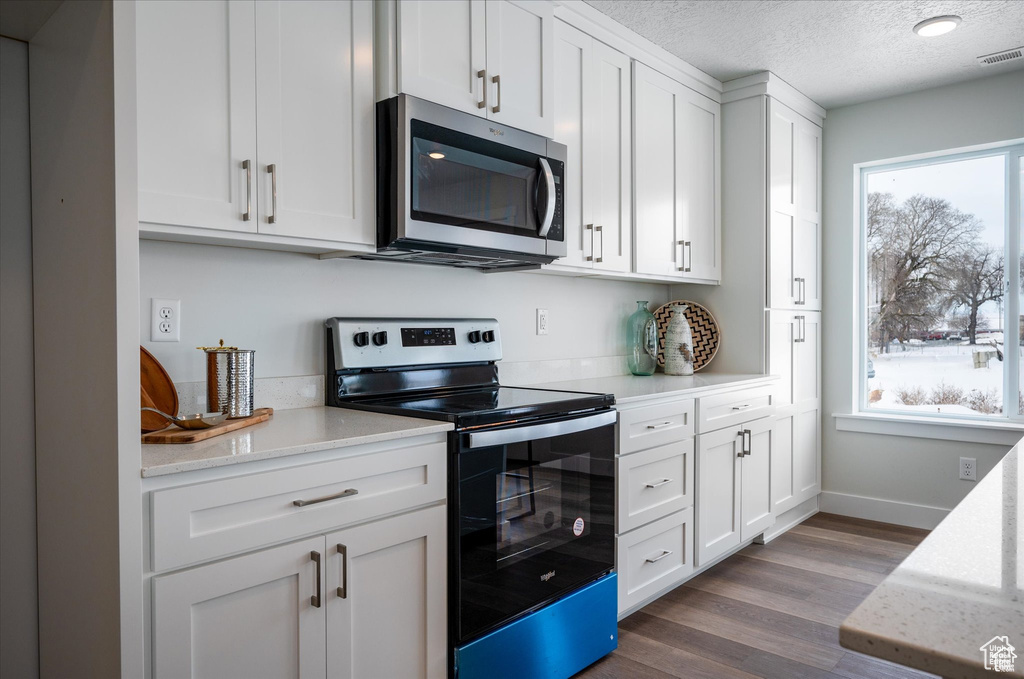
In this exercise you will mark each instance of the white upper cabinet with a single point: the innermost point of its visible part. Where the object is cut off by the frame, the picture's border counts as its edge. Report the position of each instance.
(794, 209)
(315, 109)
(197, 114)
(678, 213)
(593, 119)
(208, 70)
(493, 58)
(441, 52)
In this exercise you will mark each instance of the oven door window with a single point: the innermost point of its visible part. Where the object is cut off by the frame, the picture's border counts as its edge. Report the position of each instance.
(466, 181)
(536, 519)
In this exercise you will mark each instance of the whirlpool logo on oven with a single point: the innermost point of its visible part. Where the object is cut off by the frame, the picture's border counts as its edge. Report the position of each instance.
(547, 576)
(497, 132)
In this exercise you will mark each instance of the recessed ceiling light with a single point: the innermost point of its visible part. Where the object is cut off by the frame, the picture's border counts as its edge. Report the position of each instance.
(436, 155)
(937, 25)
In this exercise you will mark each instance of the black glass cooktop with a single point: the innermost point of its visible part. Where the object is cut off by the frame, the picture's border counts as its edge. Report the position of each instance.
(489, 405)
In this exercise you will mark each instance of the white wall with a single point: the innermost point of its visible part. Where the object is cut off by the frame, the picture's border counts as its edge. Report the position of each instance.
(276, 303)
(18, 613)
(900, 469)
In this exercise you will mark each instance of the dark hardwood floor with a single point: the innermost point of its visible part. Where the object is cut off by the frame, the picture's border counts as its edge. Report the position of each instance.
(768, 611)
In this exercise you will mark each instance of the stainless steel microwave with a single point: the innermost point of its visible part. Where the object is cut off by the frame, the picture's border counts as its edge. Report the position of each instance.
(459, 190)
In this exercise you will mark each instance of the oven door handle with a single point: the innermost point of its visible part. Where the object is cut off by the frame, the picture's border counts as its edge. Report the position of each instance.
(501, 437)
(546, 193)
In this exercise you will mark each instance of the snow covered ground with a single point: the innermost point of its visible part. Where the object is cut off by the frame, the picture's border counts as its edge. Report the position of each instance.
(932, 365)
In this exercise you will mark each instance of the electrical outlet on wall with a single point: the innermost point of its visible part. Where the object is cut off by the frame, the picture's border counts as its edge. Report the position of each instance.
(166, 320)
(542, 321)
(968, 469)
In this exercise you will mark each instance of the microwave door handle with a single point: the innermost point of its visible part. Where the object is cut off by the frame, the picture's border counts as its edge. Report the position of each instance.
(501, 437)
(549, 196)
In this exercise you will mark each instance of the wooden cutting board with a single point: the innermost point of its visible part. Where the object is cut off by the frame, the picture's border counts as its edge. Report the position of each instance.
(174, 434)
(157, 392)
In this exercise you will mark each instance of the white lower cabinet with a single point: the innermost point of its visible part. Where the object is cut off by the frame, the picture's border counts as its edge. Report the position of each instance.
(363, 602)
(734, 501)
(654, 557)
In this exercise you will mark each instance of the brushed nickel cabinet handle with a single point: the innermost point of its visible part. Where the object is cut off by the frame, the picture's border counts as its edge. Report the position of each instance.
(343, 590)
(661, 425)
(598, 229)
(497, 107)
(590, 228)
(682, 255)
(272, 169)
(664, 553)
(742, 407)
(658, 483)
(315, 599)
(247, 166)
(483, 89)
(688, 245)
(348, 492)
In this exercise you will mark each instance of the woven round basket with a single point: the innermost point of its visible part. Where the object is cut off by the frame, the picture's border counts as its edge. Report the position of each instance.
(706, 335)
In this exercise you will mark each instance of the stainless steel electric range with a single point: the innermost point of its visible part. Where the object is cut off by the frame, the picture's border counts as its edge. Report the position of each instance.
(531, 491)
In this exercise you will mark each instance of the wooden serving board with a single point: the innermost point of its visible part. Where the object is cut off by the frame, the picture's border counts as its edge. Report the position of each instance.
(174, 434)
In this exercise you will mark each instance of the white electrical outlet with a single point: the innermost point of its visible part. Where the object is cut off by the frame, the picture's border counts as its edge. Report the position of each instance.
(968, 469)
(166, 320)
(542, 321)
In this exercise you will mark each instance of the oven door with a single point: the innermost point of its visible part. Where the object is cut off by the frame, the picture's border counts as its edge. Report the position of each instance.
(532, 517)
(468, 182)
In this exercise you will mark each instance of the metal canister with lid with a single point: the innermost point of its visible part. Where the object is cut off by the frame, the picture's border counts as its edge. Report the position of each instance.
(229, 380)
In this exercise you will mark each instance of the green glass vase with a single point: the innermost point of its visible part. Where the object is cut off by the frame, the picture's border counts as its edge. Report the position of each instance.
(642, 341)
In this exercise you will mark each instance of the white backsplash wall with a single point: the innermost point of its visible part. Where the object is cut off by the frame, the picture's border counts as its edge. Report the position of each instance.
(276, 302)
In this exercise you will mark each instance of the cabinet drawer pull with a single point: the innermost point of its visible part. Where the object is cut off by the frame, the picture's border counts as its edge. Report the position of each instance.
(272, 170)
(659, 483)
(483, 89)
(348, 492)
(247, 166)
(315, 599)
(343, 590)
(660, 426)
(497, 107)
(600, 258)
(742, 407)
(664, 553)
(590, 228)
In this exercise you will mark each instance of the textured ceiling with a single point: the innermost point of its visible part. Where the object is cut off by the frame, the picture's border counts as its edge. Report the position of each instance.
(837, 52)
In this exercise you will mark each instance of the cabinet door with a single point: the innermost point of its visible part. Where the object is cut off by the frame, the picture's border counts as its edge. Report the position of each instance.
(386, 598)
(315, 107)
(794, 209)
(609, 126)
(520, 72)
(783, 492)
(697, 162)
(573, 81)
(251, 616)
(719, 524)
(197, 113)
(783, 333)
(656, 99)
(806, 454)
(807, 244)
(441, 52)
(755, 479)
(807, 359)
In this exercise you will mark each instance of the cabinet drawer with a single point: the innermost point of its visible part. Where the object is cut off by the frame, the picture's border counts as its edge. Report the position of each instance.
(208, 520)
(736, 407)
(650, 426)
(654, 557)
(653, 484)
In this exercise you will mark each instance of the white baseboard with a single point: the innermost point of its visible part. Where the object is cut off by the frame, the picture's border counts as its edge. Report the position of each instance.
(887, 511)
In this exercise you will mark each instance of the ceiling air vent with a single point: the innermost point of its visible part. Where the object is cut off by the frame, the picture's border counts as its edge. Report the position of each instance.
(1000, 57)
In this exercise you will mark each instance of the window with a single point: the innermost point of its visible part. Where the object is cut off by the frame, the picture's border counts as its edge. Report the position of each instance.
(942, 330)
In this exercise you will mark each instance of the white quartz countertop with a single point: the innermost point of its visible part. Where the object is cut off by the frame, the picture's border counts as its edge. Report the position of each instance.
(288, 432)
(960, 589)
(634, 388)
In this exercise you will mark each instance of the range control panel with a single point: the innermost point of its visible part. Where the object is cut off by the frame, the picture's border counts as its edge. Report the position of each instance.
(394, 342)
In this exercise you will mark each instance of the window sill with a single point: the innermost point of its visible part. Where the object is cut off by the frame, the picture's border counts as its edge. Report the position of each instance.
(948, 429)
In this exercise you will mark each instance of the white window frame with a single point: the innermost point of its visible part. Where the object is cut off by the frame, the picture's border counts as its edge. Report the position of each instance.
(1005, 429)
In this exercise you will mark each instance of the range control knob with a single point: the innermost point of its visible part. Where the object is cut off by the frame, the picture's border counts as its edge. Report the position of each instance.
(361, 339)
(488, 335)
(474, 337)
(380, 338)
